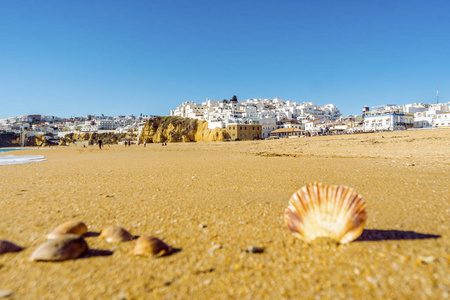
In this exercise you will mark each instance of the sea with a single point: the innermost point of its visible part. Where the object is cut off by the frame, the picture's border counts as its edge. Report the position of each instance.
(9, 149)
(18, 159)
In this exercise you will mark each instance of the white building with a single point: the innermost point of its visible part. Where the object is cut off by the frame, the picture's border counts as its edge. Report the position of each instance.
(388, 121)
(311, 126)
(442, 120)
(223, 113)
(268, 125)
(413, 108)
(425, 118)
(104, 124)
(89, 128)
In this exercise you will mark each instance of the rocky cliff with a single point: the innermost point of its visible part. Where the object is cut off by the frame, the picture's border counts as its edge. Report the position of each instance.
(38, 140)
(177, 129)
(9, 139)
(93, 137)
(13, 139)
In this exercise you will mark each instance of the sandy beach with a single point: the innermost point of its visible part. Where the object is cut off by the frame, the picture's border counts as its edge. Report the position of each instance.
(212, 201)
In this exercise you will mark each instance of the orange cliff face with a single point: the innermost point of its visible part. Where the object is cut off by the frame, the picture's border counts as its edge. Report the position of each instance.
(177, 129)
(204, 134)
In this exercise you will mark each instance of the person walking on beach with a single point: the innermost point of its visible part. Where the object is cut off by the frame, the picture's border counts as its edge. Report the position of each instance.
(100, 142)
(145, 143)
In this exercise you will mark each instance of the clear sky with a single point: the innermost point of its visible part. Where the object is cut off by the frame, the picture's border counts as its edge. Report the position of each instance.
(70, 58)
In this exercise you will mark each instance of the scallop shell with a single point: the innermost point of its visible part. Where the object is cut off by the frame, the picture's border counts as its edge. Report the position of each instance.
(6, 247)
(69, 246)
(318, 210)
(149, 245)
(116, 234)
(71, 227)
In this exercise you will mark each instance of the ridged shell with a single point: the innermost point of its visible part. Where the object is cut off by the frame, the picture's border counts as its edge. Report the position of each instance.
(149, 245)
(318, 210)
(116, 234)
(6, 247)
(71, 227)
(69, 246)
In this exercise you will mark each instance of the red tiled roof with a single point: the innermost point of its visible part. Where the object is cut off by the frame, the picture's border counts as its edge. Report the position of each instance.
(315, 120)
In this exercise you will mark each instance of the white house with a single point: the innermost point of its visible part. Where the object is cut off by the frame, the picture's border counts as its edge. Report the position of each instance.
(268, 125)
(423, 119)
(104, 124)
(426, 118)
(388, 121)
(442, 120)
(89, 128)
(312, 125)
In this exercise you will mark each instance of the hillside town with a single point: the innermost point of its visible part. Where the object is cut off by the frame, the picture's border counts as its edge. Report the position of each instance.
(55, 128)
(276, 118)
(249, 119)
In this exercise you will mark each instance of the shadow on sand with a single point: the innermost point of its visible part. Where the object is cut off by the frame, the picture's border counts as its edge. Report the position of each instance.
(96, 253)
(175, 250)
(389, 235)
(91, 234)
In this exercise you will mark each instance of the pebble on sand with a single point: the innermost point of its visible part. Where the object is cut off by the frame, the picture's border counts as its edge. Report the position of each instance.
(5, 293)
(254, 249)
(69, 246)
(6, 247)
(71, 227)
(149, 245)
(426, 259)
(116, 234)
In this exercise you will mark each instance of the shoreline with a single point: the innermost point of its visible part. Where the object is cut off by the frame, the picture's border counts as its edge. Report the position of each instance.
(270, 138)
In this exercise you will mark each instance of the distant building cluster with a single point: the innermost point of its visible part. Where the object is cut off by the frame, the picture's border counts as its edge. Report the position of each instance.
(270, 114)
(55, 127)
(276, 118)
(415, 115)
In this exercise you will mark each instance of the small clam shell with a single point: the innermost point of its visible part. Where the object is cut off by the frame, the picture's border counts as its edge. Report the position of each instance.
(149, 245)
(116, 234)
(317, 210)
(71, 227)
(6, 247)
(69, 246)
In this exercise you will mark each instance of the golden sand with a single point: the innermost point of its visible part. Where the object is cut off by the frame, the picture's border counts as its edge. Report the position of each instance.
(213, 201)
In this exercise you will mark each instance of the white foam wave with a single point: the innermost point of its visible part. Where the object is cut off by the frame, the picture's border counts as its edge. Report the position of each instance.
(19, 159)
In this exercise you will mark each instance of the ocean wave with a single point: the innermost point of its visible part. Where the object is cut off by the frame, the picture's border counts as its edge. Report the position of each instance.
(20, 159)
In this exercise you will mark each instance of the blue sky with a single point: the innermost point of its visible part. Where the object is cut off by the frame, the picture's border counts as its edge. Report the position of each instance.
(70, 58)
